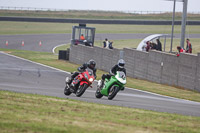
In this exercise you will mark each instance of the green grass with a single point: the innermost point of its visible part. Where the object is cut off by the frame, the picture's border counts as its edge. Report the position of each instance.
(52, 60)
(33, 113)
(63, 47)
(13, 28)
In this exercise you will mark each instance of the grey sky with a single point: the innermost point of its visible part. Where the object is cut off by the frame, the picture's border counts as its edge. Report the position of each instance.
(117, 5)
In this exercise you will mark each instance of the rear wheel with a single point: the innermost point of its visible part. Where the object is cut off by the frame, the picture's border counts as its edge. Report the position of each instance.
(81, 90)
(67, 91)
(98, 93)
(112, 92)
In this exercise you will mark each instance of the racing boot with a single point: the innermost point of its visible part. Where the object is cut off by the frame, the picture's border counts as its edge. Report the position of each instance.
(101, 84)
(68, 80)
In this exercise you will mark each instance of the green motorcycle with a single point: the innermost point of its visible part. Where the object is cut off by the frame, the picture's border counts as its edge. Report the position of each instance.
(111, 86)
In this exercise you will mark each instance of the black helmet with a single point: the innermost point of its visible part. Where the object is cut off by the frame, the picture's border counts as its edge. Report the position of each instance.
(121, 63)
(91, 64)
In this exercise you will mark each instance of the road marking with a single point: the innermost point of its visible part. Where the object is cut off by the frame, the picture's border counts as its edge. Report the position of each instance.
(35, 62)
(29, 69)
(53, 50)
(153, 98)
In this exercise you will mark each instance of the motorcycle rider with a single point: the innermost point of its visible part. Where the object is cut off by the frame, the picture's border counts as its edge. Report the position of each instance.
(90, 64)
(118, 67)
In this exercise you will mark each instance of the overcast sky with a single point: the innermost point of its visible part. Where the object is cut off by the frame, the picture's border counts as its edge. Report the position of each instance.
(117, 5)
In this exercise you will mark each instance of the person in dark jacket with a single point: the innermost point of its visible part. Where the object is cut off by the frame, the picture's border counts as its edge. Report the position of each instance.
(90, 64)
(118, 67)
(188, 46)
(159, 45)
(110, 45)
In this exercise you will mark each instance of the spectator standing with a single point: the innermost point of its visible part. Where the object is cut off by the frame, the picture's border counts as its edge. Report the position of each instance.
(106, 43)
(159, 45)
(188, 46)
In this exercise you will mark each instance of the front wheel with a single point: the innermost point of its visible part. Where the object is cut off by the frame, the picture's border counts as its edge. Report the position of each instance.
(112, 92)
(81, 90)
(67, 91)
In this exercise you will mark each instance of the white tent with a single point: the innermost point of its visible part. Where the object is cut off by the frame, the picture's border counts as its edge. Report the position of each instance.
(150, 38)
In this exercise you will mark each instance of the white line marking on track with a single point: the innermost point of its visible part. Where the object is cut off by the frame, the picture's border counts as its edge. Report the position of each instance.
(154, 98)
(35, 63)
(53, 50)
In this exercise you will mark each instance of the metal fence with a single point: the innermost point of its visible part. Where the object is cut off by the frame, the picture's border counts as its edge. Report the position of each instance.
(54, 9)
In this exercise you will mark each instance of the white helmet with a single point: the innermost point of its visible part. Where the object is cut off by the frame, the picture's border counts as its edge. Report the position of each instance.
(121, 63)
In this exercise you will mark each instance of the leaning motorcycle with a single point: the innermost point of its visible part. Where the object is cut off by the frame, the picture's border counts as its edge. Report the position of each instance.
(80, 83)
(111, 86)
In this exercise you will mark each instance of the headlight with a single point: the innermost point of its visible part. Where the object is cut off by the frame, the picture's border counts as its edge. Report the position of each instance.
(91, 80)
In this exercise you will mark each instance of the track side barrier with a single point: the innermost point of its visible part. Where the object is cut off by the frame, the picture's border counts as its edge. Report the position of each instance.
(155, 66)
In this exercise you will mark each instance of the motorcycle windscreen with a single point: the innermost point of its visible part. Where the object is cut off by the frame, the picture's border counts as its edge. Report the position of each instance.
(90, 71)
(121, 77)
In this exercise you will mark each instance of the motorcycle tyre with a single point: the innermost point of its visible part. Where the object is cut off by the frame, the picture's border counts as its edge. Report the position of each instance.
(114, 93)
(81, 89)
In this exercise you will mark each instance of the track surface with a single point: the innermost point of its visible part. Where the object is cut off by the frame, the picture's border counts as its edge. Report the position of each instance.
(20, 75)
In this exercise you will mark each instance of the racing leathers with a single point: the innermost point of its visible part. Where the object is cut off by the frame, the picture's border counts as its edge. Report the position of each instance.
(81, 69)
(113, 71)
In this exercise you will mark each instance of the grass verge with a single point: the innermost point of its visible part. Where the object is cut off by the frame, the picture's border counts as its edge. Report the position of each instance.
(33, 113)
(62, 47)
(52, 60)
(15, 28)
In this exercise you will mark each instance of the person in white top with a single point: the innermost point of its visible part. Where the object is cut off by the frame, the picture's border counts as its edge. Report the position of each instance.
(107, 44)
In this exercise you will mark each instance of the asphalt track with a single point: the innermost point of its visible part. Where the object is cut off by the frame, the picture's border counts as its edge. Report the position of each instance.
(20, 75)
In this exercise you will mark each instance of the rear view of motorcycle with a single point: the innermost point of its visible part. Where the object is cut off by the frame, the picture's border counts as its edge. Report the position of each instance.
(80, 83)
(111, 86)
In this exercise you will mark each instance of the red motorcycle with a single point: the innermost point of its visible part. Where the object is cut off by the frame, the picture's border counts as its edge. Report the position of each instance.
(80, 83)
